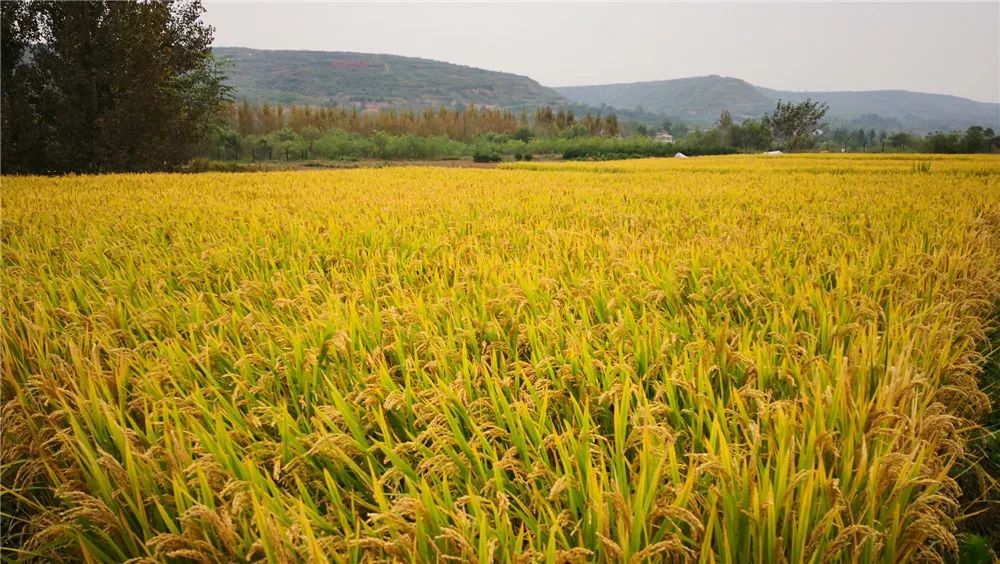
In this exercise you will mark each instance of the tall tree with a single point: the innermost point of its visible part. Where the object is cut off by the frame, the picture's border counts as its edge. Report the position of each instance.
(245, 118)
(792, 124)
(975, 140)
(612, 128)
(18, 138)
(725, 128)
(114, 85)
(901, 140)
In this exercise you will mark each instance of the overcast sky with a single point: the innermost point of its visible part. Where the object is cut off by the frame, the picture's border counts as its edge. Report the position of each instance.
(930, 47)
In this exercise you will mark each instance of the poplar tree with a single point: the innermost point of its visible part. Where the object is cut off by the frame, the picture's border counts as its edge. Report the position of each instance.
(109, 85)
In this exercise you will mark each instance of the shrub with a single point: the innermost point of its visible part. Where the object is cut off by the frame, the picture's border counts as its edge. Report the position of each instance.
(486, 157)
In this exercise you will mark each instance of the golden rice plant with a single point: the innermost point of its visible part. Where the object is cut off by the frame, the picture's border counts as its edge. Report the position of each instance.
(717, 360)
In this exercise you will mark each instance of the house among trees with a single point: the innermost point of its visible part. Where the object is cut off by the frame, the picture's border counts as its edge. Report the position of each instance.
(664, 137)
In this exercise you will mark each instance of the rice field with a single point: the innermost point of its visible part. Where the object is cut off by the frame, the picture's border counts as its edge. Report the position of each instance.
(725, 359)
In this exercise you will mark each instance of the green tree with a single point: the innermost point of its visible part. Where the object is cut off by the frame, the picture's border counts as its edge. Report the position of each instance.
(725, 128)
(751, 135)
(904, 140)
(975, 140)
(940, 142)
(675, 128)
(114, 85)
(862, 138)
(792, 124)
(20, 142)
(522, 134)
(725, 120)
(842, 137)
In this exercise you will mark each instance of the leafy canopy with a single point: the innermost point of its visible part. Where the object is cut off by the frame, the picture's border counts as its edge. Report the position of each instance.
(107, 85)
(792, 124)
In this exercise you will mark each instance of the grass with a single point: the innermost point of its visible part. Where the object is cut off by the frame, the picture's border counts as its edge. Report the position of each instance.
(722, 359)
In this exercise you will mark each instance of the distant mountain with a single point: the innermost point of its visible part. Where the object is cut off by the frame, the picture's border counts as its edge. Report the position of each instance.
(371, 80)
(917, 111)
(700, 100)
(696, 100)
(377, 81)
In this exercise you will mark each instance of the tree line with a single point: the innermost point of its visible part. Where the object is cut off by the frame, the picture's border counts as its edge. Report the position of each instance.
(461, 123)
(975, 139)
(262, 132)
(799, 127)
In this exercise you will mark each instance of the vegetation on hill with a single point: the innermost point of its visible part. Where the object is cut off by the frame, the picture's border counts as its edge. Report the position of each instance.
(374, 80)
(382, 81)
(379, 82)
(696, 100)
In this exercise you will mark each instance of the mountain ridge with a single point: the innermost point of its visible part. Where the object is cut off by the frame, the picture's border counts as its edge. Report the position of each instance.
(380, 80)
(374, 80)
(806, 91)
(894, 108)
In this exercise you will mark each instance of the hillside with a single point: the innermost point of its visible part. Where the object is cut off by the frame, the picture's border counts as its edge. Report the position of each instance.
(373, 80)
(913, 110)
(699, 100)
(363, 79)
